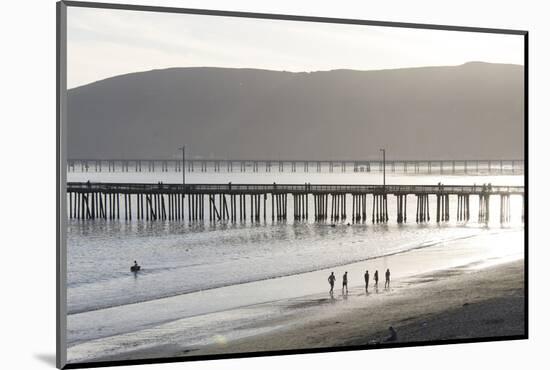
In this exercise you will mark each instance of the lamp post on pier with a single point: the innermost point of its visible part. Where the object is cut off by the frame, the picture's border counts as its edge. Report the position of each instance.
(183, 164)
(384, 168)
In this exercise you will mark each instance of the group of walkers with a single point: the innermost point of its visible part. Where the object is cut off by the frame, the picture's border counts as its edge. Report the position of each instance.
(332, 280)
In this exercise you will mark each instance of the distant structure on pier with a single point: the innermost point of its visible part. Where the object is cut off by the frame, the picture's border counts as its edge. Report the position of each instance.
(451, 166)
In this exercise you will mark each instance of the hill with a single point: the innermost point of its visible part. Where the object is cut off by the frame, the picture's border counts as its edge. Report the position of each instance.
(475, 110)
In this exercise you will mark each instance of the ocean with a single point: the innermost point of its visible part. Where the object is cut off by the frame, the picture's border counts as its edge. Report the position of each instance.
(195, 269)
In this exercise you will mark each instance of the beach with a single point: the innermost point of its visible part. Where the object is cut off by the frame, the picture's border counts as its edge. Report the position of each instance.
(477, 296)
(452, 304)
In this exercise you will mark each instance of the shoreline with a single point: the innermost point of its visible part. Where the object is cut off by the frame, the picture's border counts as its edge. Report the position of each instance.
(454, 305)
(186, 317)
(471, 301)
(338, 266)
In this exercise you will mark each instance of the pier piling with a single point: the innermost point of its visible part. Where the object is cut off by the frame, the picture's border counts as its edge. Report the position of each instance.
(89, 201)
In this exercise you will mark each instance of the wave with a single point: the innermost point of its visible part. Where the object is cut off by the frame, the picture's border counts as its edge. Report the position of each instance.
(150, 273)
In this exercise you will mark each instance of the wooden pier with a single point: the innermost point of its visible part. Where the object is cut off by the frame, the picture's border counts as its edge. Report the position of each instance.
(231, 202)
(451, 166)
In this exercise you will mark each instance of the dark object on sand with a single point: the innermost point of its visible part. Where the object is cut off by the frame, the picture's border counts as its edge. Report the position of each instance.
(393, 335)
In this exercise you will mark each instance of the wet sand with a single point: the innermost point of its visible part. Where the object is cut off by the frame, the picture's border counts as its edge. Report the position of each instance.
(201, 317)
(450, 304)
(471, 301)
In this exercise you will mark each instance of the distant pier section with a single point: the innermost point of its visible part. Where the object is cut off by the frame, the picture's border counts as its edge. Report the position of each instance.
(451, 166)
(240, 202)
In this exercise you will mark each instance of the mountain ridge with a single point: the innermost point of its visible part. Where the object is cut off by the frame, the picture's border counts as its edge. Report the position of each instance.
(474, 110)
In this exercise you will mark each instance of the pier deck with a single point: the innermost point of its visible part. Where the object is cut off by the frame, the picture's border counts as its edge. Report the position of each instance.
(138, 188)
(87, 200)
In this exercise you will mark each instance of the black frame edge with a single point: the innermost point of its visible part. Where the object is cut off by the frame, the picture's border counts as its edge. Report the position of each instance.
(526, 179)
(61, 106)
(162, 360)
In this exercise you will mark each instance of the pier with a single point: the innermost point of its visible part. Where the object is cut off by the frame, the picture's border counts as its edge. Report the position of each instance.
(257, 202)
(450, 166)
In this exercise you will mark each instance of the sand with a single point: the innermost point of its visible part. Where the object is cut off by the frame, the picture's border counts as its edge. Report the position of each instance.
(461, 303)
(467, 302)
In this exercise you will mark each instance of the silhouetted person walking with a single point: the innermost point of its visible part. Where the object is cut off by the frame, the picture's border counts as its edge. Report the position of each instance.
(367, 276)
(331, 280)
(387, 282)
(376, 278)
(345, 282)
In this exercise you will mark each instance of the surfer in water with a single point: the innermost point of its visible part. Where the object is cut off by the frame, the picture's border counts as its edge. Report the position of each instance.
(135, 267)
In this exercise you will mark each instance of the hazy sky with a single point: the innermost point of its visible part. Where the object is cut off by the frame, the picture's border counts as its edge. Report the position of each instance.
(104, 43)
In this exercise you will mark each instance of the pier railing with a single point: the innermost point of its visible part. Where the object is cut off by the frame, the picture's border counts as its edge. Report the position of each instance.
(227, 188)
